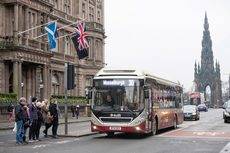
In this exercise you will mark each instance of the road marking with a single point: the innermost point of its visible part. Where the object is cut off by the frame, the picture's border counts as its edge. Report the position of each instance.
(226, 149)
(39, 146)
(208, 133)
(197, 134)
(179, 129)
(63, 142)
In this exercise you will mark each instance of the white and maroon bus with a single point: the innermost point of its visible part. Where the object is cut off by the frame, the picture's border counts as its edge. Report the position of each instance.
(141, 103)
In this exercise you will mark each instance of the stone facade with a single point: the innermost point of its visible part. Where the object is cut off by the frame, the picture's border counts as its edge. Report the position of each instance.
(206, 74)
(27, 67)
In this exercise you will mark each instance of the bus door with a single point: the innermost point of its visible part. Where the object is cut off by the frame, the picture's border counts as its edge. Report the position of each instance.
(149, 106)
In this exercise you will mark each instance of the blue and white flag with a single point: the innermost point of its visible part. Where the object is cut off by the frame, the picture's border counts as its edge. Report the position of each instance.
(52, 35)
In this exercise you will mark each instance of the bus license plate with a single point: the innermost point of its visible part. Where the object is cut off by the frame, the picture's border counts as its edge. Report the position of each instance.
(115, 128)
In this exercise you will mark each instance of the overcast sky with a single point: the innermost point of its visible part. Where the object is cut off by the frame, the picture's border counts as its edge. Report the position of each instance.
(164, 36)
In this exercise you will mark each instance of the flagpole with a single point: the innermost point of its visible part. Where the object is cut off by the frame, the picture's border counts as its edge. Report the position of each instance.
(66, 35)
(57, 30)
(61, 28)
(35, 27)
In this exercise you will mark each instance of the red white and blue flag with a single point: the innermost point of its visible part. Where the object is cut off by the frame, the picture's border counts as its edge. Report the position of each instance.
(80, 42)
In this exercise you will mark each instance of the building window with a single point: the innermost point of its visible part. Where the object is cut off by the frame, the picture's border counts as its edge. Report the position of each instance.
(67, 8)
(91, 14)
(55, 84)
(98, 16)
(97, 50)
(83, 6)
(90, 48)
(67, 45)
(89, 81)
(56, 4)
(83, 11)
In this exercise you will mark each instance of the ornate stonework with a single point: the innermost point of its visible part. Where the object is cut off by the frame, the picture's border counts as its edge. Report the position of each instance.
(27, 65)
(206, 74)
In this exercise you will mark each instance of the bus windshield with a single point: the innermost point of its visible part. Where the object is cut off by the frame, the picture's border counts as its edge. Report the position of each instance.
(118, 95)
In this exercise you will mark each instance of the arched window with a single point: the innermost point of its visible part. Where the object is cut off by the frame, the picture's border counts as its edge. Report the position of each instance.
(55, 84)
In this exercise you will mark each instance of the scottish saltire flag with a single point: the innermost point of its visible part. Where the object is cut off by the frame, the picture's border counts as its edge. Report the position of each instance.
(79, 40)
(52, 35)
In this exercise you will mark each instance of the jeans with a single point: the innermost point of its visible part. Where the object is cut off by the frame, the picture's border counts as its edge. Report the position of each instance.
(33, 129)
(55, 126)
(20, 132)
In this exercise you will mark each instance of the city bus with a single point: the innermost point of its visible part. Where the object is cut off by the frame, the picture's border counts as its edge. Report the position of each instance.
(141, 103)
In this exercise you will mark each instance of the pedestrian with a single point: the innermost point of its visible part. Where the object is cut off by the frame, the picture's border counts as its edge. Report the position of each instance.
(10, 109)
(26, 124)
(53, 108)
(20, 120)
(33, 119)
(46, 116)
(77, 111)
(73, 109)
(40, 120)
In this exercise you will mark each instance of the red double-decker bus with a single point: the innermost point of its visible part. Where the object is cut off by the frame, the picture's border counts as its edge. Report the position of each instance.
(131, 101)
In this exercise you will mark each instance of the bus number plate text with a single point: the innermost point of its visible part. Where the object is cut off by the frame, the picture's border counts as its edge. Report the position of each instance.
(115, 128)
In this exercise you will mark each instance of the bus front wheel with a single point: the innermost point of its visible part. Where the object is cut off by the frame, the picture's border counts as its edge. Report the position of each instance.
(154, 127)
(175, 122)
(110, 134)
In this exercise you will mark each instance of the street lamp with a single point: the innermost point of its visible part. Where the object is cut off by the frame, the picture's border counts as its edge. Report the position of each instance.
(22, 85)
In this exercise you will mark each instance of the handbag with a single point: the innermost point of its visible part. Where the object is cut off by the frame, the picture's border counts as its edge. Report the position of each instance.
(49, 118)
(15, 127)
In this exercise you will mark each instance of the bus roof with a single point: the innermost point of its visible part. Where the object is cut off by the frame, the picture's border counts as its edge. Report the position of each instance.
(108, 73)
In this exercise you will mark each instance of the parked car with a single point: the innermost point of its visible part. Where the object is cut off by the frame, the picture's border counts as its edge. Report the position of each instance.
(202, 107)
(226, 113)
(191, 112)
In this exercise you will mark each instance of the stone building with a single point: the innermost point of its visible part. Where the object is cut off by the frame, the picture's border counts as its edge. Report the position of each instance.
(207, 74)
(27, 66)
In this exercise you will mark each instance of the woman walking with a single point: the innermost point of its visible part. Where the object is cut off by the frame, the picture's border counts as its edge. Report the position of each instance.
(46, 116)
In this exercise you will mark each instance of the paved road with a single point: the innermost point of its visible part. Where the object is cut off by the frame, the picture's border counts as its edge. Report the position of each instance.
(205, 136)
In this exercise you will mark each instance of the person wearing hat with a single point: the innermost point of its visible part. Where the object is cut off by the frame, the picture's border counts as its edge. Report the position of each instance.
(33, 119)
(40, 120)
(20, 119)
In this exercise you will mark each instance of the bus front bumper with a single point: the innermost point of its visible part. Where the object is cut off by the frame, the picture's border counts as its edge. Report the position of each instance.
(126, 129)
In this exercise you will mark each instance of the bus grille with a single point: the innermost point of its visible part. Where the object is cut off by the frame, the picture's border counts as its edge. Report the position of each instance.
(115, 119)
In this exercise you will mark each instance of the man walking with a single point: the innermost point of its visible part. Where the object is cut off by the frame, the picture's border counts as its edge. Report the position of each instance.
(20, 119)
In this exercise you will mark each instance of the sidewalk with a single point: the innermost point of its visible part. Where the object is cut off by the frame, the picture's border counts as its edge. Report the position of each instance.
(9, 126)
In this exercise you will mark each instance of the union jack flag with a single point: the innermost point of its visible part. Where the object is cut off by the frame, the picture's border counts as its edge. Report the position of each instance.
(80, 41)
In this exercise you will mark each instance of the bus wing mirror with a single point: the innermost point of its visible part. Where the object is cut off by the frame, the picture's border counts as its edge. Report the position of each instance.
(146, 93)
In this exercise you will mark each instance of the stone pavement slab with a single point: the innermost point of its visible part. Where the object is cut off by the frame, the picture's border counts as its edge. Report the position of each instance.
(9, 126)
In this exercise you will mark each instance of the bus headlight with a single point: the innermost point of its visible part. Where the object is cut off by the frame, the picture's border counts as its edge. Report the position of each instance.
(138, 128)
(226, 113)
(94, 127)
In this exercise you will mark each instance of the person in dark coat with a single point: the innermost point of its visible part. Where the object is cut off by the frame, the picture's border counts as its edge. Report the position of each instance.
(10, 109)
(77, 111)
(33, 119)
(20, 119)
(26, 121)
(54, 113)
(73, 110)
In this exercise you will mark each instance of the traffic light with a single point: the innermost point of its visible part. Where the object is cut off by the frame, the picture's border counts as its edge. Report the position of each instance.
(70, 77)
